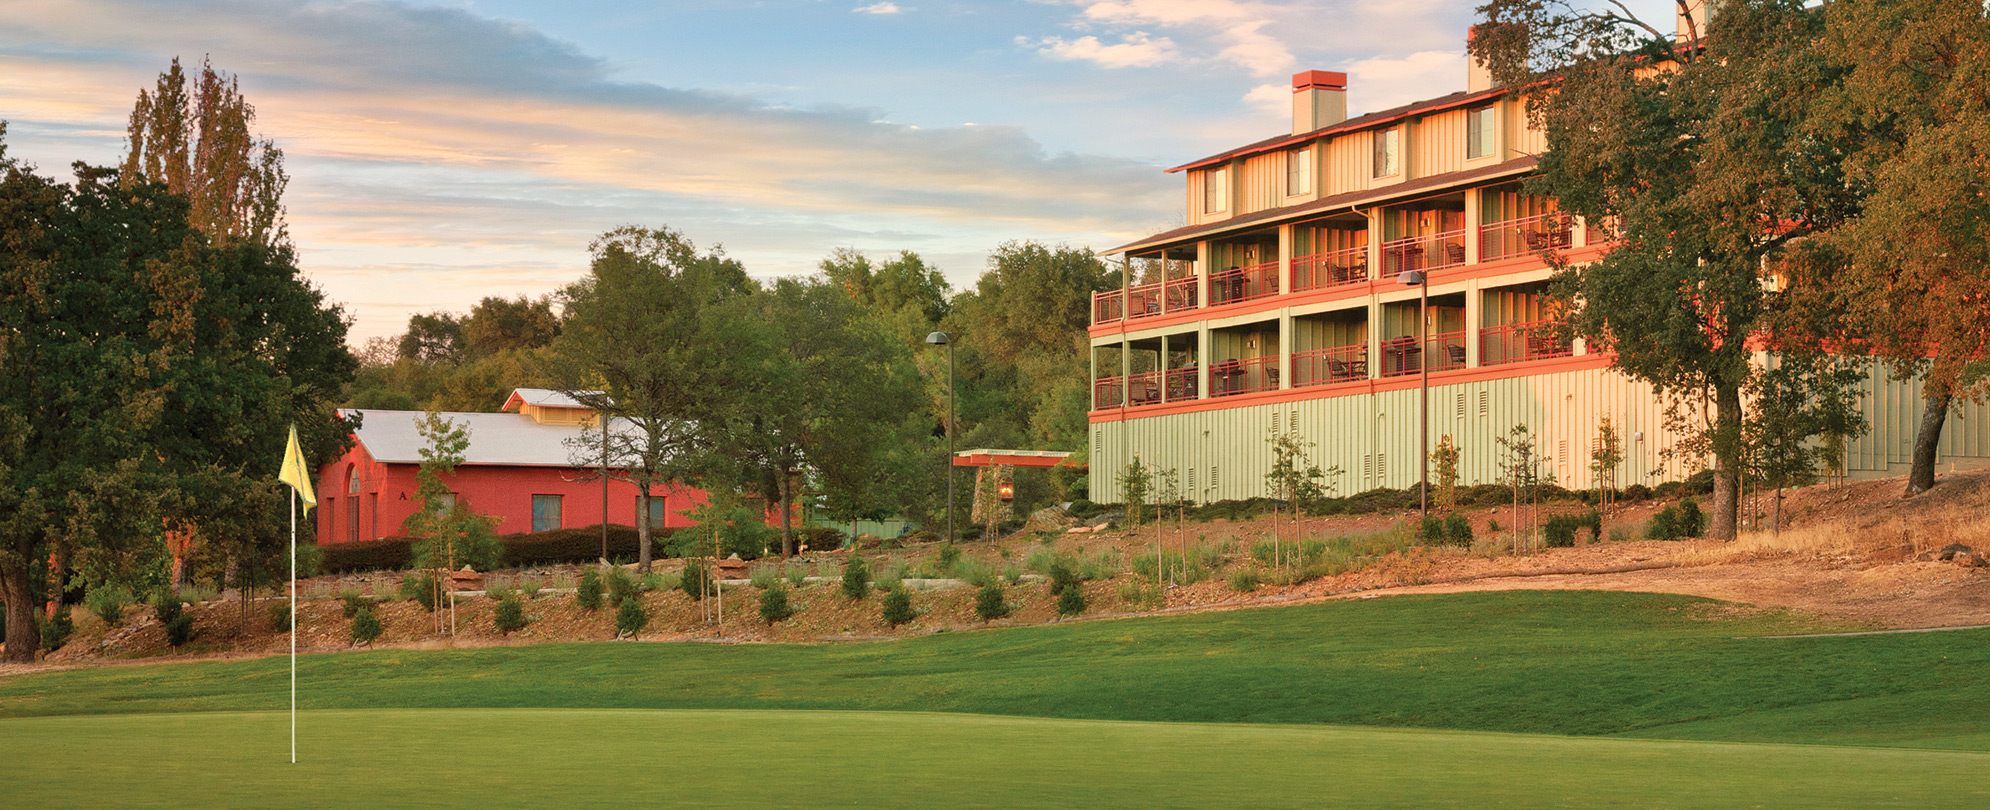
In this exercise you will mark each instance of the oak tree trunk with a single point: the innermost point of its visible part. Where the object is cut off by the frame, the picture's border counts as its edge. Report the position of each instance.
(1727, 484)
(786, 488)
(23, 633)
(1921, 476)
(643, 507)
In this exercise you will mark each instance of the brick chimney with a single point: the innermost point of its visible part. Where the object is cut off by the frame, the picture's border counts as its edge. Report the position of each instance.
(1319, 99)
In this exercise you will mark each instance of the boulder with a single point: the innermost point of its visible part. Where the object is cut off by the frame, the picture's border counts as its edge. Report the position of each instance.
(466, 580)
(1967, 559)
(1948, 552)
(1048, 520)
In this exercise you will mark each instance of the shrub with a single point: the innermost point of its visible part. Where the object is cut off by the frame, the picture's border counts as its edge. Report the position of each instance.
(1664, 525)
(310, 560)
(279, 615)
(109, 602)
(588, 592)
(989, 603)
(764, 576)
(1699, 483)
(577, 545)
(1560, 530)
(696, 581)
(351, 602)
(898, 606)
(856, 578)
(1431, 531)
(1636, 492)
(1691, 521)
(420, 589)
(1012, 574)
(821, 538)
(621, 586)
(365, 627)
(385, 554)
(630, 619)
(498, 591)
(1244, 579)
(797, 575)
(1457, 530)
(774, 603)
(476, 550)
(529, 586)
(177, 622)
(1071, 601)
(949, 557)
(55, 632)
(1141, 595)
(510, 614)
(1063, 575)
(1593, 521)
(1492, 525)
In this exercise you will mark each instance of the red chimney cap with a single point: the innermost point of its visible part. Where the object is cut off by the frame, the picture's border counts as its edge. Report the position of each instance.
(1320, 79)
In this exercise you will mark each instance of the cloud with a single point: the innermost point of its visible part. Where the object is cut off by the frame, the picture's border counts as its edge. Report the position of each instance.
(1137, 49)
(1271, 98)
(1382, 82)
(877, 8)
(1236, 30)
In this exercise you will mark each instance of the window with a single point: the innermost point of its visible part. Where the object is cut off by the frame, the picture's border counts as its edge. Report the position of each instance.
(659, 512)
(1299, 171)
(1215, 191)
(1479, 132)
(1388, 152)
(545, 513)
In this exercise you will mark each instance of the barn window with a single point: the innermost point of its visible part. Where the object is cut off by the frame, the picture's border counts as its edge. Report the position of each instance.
(545, 513)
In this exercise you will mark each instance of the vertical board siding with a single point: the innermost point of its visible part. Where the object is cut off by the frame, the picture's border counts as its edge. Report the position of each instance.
(1263, 183)
(1438, 144)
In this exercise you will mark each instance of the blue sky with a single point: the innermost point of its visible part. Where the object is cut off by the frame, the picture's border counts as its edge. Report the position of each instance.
(443, 151)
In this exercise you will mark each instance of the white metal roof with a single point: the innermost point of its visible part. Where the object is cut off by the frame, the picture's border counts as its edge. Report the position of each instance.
(543, 398)
(495, 438)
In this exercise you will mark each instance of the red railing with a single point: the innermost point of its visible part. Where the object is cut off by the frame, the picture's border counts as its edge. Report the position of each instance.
(1243, 376)
(1434, 252)
(1144, 389)
(1330, 269)
(1108, 392)
(1181, 384)
(1516, 342)
(1517, 237)
(1322, 366)
(1403, 356)
(1145, 300)
(1243, 283)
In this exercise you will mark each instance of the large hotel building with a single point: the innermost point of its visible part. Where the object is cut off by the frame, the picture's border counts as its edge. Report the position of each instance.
(1281, 306)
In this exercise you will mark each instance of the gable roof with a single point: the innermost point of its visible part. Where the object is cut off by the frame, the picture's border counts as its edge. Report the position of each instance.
(543, 398)
(495, 438)
(1374, 119)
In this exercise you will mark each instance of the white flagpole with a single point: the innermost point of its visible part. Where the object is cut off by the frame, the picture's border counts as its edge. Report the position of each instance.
(293, 625)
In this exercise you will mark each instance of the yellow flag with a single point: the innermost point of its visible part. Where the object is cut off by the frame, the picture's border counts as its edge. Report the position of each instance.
(296, 473)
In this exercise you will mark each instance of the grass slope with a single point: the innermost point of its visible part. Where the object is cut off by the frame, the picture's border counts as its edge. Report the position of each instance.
(596, 758)
(1582, 663)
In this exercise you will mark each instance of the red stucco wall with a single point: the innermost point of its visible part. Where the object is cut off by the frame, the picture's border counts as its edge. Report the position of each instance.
(386, 497)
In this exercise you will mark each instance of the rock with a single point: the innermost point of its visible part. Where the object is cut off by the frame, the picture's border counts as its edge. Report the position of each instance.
(1967, 559)
(1948, 552)
(466, 580)
(1079, 530)
(1048, 520)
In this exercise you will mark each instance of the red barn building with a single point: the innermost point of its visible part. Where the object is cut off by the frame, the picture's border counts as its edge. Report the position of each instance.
(519, 469)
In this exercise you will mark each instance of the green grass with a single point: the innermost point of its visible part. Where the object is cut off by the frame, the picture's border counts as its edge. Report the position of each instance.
(1578, 663)
(597, 758)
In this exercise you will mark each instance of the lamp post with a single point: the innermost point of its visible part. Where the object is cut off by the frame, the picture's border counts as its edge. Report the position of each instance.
(1416, 278)
(944, 339)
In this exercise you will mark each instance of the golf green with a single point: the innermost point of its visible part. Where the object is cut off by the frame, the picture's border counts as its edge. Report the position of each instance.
(727, 758)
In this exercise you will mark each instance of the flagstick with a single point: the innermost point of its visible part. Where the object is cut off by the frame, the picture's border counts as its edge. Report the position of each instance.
(293, 626)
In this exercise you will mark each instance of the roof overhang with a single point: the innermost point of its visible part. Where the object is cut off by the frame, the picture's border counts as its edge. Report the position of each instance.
(984, 457)
(1374, 119)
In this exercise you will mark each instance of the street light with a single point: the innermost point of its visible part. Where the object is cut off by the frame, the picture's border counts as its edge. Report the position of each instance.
(1415, 278)
(944, 339)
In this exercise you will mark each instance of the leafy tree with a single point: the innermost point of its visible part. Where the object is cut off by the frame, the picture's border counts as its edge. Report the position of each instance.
(1700, 155)
(1134, 484)
(1908, 277)
(199, 145)
(433, 337)
(906, 295)
(1520, 469)
(652, 340)
(448, 532)
(1799, 398)
(1604, 459)
(504, 324)
(1444, 465)
(1293, 478)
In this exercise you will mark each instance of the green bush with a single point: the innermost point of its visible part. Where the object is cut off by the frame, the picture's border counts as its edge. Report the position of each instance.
(1593, 521)
(588, 592)
(385, 554)
(55, 632)
(898, 606)
(796, 574)
(1457, 530)
(510, 614)
(763, 576)
(621, 585)
(696, 581)
(1636, 492)
(1431, 531)
(1560, 530)
(989, 602)
(1142, 595)
(630, 619)
(1691, 521)
(279, 615)
(1071, 601)
(1664, 525)
(1244, 580)
(529, 586)
(177, 622)
(856, 578)
(109, 602)
(822, 538)
(948, 558)
(774, 605)
(365, 627)
(477, 550)
(421, 589)
(1063, 574)
(351, 602)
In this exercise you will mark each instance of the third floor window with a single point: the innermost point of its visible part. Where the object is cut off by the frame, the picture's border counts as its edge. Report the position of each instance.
(1216, 191)
(1388, 153)
(1479, 132)
(1298, 171)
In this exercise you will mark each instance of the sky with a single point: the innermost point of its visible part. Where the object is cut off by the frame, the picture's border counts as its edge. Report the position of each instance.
(440, 152)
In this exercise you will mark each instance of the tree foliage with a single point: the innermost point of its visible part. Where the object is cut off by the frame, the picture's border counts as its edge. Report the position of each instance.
(198, 144)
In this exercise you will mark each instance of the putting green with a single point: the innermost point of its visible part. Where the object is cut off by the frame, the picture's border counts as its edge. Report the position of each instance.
(726, 758)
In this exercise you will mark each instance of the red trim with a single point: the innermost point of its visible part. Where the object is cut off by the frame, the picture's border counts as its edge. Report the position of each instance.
(1460, 376)
(991, 459)
(1323, 79)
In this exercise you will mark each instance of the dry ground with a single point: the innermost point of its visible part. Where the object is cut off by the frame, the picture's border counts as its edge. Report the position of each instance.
(1847, 552)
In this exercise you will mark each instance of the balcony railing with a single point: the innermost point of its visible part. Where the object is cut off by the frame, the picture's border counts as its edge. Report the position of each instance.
(1331, 269)
(1403, 356)
(1243, 283)
(1322, 366)
(1108, 392)
(1243, 376)
(1144, 389)
(1181, 384)
(1518, 237)
(1146, 300)
(1515, 342)
(1434, 252)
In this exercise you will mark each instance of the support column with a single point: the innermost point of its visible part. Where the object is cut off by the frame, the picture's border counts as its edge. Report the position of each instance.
(1202, 274)
(1374, 338)
(1284, 259)
(1202, 360)
(1475, 302)
(1285, 348)
(1473, 213)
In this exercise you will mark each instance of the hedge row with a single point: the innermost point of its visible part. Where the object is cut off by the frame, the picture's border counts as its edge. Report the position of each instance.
(576, 545)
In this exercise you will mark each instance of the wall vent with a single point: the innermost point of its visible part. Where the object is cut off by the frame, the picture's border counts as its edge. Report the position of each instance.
(1485, 408)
